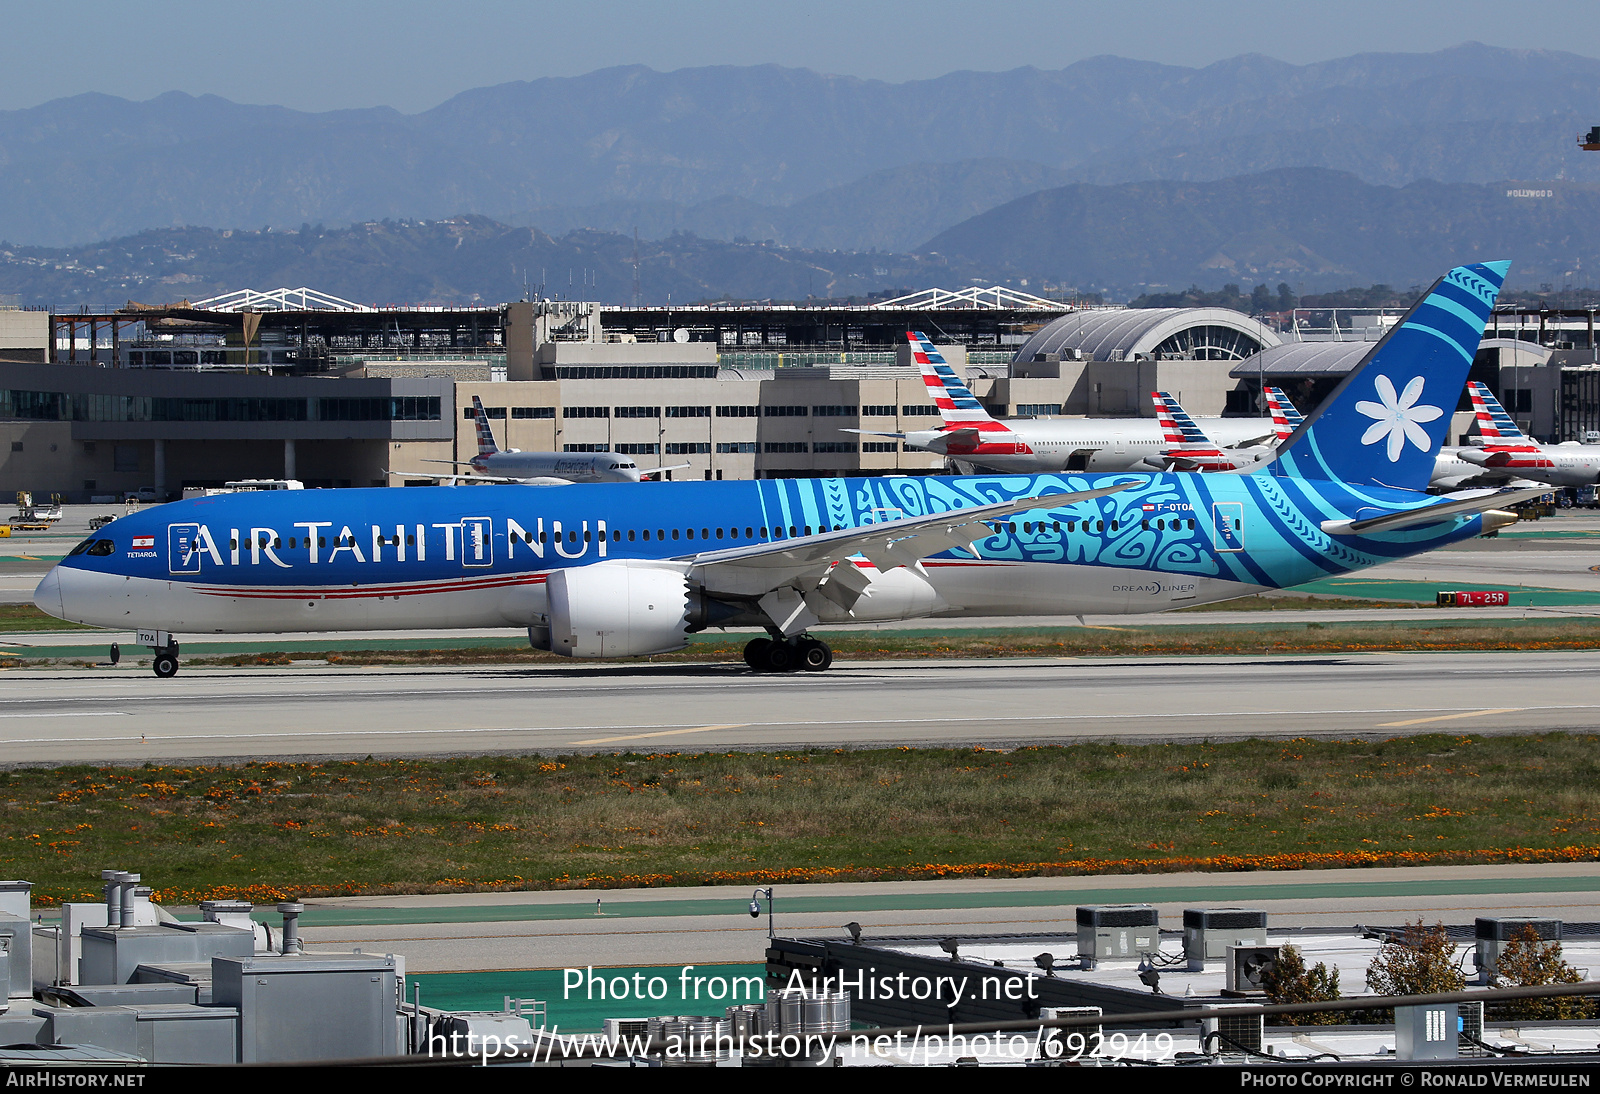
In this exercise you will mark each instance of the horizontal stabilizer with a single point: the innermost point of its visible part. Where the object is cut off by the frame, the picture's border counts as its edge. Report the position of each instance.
(873, 433)
(1476, 502)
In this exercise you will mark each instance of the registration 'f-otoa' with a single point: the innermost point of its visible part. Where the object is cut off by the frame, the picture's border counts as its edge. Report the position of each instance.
(632, 569)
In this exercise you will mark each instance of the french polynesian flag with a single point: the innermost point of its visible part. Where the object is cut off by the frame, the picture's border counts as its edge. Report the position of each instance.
(144, 543)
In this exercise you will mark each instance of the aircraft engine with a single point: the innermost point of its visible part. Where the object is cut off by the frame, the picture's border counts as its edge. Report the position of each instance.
(618, 609)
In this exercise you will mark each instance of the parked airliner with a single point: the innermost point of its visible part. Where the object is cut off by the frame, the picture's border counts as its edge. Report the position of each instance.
(1506, 449)
(494, 465)
(971, 438)
(620, 569)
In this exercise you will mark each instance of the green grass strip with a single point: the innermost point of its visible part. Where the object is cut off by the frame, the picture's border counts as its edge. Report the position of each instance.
(263, 831)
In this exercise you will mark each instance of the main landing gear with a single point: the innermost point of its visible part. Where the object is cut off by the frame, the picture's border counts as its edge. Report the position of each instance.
(788, 654)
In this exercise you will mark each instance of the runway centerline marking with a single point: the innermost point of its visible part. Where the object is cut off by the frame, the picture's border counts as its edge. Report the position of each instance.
(1451, 717)
(662, 733)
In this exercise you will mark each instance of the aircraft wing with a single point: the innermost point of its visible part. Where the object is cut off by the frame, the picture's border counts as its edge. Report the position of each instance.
(1464, 504)
(643, 471)
(544, 480)
(789, 569)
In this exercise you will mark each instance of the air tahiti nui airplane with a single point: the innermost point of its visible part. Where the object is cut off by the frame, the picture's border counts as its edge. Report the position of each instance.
(621, 569)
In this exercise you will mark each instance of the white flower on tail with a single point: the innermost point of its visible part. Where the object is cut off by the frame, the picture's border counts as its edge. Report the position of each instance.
(1398, 418)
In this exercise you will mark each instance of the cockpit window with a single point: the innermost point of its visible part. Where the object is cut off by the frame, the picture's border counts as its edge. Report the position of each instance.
(82, 547)
(101, 547)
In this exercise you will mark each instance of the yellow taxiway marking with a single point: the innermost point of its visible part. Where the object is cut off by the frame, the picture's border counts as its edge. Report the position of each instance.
(663, 733)
(1449, 717)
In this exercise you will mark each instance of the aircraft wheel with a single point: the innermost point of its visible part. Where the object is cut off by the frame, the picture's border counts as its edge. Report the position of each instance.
(166, 665)
(781, 657)
(815, 655)
(755, 653)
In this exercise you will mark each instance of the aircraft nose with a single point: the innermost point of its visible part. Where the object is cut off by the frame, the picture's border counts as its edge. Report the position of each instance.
(47, 597)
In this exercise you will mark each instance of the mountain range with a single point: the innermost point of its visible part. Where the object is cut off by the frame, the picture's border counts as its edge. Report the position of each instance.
(1314, 229)
(798, 157)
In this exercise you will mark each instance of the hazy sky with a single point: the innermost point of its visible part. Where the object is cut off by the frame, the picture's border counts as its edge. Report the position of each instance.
(412, 55)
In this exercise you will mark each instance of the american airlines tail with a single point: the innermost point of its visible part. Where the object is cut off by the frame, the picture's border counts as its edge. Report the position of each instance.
(1285, 418)
(1176, 425)
(957, 405)
(480, 417)
(1494, 424)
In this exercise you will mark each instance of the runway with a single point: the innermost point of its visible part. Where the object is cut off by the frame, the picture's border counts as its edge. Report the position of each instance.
(128, 716)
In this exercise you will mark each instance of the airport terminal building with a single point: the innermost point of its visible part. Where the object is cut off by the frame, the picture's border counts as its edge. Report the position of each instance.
(301, 385)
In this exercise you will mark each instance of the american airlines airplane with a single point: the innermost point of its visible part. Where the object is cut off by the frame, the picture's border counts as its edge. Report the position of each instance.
(621, 569)
(1507, 450)
(1190, 449)
(491, 464)
(973, 438)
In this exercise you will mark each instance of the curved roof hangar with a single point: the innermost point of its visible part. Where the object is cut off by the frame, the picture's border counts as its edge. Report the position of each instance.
(1123, 334)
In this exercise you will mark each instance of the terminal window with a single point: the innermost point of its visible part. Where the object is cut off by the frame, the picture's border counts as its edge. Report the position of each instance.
(834, 411)
(786, 446)
(688, 412)
(1038, 408)
(834, 446)
(787, 412)
(688, 448)
(729, 448)
(586, 412)
(638, 449)
(525, 412)
(878, 411)
(919, 410)
(878, 446)
(636, 412)
(738, 411)
(586, 448)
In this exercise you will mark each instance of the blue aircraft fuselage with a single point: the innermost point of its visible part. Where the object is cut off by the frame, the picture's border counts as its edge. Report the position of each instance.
(473, 557)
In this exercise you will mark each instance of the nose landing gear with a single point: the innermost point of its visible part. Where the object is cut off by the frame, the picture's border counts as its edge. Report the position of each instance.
(788, 654)
(165, 648)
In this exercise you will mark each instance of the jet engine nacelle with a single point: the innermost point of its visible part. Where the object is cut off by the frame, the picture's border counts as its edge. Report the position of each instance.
(620, 608)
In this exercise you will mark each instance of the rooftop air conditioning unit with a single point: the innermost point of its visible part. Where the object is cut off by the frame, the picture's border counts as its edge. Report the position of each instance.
(1493, 933)
(1246, 967)
(1117, 930)
(1208, 932)
(1230, 1034)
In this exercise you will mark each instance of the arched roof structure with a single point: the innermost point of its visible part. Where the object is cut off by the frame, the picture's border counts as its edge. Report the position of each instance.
(1122, 334)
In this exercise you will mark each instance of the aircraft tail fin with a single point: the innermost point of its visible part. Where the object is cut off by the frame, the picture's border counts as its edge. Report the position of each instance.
(1285, 418)
(486, 445)
(1176, 425)
(956, 403)
(1384, 424)
(1494, 424)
